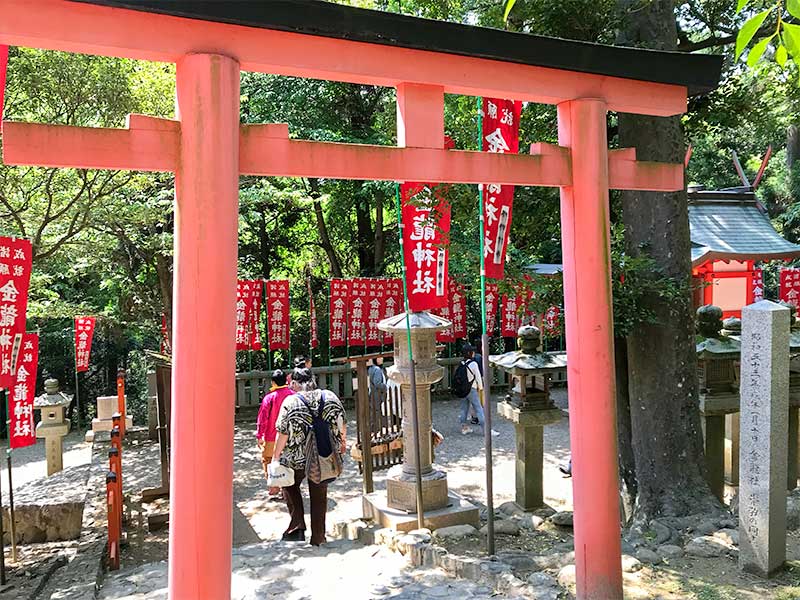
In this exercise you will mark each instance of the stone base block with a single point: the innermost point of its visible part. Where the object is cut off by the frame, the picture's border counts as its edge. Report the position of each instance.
(108, 424)
(401, 491)
(457, 512)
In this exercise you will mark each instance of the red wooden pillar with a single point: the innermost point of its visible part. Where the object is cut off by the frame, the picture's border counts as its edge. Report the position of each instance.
(585, 231)
(204, 322)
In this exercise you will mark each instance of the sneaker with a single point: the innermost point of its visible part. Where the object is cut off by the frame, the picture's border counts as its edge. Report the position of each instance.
(465, 430)
(475, 421)
(495, 433)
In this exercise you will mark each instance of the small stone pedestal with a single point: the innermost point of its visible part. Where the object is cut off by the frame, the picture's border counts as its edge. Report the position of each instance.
(397, 509)
(107, 406)
(52, 426)
(530, 409)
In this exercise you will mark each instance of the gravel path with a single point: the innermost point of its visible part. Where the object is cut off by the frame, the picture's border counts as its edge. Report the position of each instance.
(460, 455)
(289, 571)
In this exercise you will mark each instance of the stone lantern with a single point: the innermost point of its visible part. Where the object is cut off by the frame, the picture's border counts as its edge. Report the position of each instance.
(530, 408)
(397, 509)
(52, 426)
(718, 356)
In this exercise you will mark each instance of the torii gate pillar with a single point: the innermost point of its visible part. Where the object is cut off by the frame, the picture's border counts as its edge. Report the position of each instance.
(204, 323)
(585, 232)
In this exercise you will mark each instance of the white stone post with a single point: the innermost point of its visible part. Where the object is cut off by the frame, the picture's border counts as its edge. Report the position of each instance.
(763, 437)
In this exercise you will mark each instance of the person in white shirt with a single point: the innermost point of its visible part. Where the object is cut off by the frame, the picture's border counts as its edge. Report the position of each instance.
(472, 399)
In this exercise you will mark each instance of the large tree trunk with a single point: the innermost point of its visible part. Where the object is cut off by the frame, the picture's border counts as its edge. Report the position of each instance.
(322, 227)
(664, 414)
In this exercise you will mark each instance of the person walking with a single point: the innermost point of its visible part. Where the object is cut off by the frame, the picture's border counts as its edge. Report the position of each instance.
(294, 425)
(267, 417)
(377, 393)
(468, 381)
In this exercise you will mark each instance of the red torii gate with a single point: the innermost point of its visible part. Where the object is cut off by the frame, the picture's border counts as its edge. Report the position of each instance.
(207, 149)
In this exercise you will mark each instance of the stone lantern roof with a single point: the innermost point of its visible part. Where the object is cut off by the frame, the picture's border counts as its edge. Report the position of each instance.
(528, 360)
(52, 396)
(418, 321)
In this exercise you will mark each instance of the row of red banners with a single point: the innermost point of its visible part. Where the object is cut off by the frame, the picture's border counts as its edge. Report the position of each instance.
(356, 306)
(19, 351)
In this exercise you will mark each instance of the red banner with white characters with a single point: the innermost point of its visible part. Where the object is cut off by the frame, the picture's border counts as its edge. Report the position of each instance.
(509, 316)
(515, 312)
(445, 335)
(492, 299)
(3, 68)
(165, 336)
(758, 285)
(242, 306)
(278, 314)
(15, 278)
(551, 322)
(426, 227)
(254, 325)
(312, 317)
(458, 310)
(359, 309)
(375, 311)
(22, 430)
(500, 135)
(393, 304)
(338, 307)
(84, 333)
(790, 286)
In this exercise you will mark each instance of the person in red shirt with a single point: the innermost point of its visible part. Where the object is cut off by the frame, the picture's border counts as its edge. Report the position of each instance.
(267, 416)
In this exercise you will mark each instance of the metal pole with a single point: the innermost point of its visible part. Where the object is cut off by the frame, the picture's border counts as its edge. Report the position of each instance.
(13, 524)
(414, 411)
(487, 399)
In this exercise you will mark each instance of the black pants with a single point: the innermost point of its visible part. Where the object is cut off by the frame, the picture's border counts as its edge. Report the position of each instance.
(319, 506)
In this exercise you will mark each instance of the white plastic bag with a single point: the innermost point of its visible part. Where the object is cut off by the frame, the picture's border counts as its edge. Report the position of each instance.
(279, 475)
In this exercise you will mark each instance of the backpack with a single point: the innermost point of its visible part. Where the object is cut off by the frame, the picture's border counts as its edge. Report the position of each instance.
(323, 461)
(462, 384)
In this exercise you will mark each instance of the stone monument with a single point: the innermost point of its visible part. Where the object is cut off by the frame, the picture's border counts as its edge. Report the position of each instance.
(763, 437)
(107, 406)
(52, 426)
(530, 408)
(397, 509)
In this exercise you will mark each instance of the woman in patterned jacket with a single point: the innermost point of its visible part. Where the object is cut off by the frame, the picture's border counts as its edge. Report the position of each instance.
(294, 426)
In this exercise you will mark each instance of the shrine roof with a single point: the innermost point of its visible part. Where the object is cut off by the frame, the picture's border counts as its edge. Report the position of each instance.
(699, 73)
(731, 225)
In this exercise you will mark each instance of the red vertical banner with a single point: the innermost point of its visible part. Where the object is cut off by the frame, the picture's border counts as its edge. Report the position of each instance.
(84, 332)
(500, 135)
(357, 321)
(551, 322)
(312, 319)
(278, 314)
(393, 304)
(758, 285)
(492, 299)
(165, 336)
(458, 310)
(790, 286)
(22, 430)
(509, 320)
(254, 324)
(375, 302)
(426, 228)
(337, 305)
(15, 278)
(445, 335)
(242, 305)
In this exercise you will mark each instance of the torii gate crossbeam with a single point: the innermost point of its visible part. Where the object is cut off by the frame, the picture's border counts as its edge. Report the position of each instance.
(208, 149)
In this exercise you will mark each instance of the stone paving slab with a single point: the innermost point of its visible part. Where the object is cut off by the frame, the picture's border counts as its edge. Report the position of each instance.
(295, 571)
